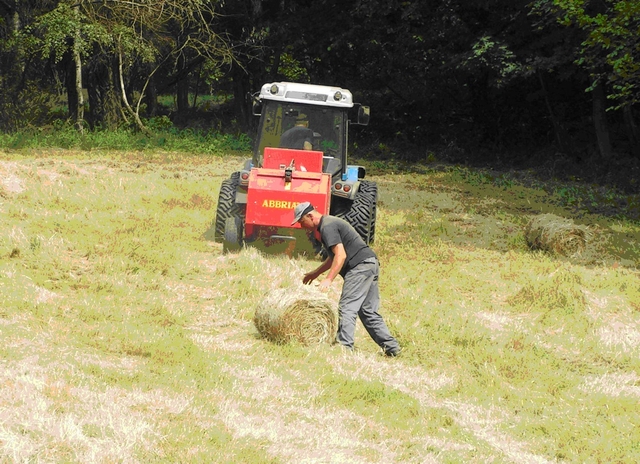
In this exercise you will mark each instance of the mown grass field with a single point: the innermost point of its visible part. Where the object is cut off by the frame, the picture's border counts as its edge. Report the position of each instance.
(127, 337)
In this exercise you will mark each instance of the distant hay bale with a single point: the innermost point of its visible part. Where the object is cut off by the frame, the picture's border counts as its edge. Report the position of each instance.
(299, 313)
(556, 235)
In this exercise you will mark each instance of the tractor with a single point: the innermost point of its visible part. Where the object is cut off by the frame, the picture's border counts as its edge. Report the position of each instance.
(300, 154)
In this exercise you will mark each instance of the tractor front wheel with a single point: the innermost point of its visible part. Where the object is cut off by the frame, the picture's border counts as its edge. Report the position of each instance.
(227, 206)
(232, 234)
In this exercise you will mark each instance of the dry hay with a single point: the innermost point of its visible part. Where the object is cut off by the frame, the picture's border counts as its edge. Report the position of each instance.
(298, 313)
(556, 235)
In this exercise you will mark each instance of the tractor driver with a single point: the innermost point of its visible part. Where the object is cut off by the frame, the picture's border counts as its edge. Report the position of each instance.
(358, 265)
(299, 137)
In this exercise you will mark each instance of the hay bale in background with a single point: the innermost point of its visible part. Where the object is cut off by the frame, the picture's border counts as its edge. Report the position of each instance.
(556, 235)
(300, 313)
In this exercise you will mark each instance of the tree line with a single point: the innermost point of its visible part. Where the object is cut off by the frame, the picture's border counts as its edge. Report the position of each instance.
(496, 75)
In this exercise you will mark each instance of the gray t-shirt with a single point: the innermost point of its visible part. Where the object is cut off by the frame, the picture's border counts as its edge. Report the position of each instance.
(334, 230)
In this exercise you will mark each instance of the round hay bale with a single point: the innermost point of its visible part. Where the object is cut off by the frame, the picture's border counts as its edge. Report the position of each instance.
(300, 313)
(556, 235)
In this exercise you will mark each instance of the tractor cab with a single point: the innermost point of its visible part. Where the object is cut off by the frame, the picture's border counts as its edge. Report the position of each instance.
(300, 154)
(320, 115)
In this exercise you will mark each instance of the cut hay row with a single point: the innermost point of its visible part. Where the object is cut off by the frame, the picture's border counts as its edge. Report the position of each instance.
(299, 313)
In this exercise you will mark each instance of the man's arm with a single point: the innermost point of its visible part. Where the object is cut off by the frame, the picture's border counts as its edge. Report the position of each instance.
(313, 275)
(339, 257)
(333, 265)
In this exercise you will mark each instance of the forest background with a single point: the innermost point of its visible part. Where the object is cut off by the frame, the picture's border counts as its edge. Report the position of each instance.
(116, 347)
(545, 84)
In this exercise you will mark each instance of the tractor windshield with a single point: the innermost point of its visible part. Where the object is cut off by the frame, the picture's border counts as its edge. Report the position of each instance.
(311, 127)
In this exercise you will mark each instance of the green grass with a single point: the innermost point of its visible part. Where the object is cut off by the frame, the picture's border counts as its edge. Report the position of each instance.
(125, 336)
(162, 136)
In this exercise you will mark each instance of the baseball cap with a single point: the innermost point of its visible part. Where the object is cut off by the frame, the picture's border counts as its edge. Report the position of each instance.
(299, 211)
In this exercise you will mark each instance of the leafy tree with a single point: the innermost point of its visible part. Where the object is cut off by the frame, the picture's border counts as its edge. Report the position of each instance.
(611, 49)
(149, 35)
(435, 71)
(66, 31)
(128, 41)
(464, 74)
(607, 49)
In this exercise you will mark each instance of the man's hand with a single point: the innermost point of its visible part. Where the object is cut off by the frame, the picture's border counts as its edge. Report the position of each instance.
(313, 275)
(324, 285)
(309, 277)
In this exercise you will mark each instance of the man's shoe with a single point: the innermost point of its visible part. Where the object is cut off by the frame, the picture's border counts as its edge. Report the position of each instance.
(393, 353)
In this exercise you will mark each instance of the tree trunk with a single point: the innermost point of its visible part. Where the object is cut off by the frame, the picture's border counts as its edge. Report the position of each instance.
(104, 106)
(143, 92)
(182, 95)
(112, 106)
(600, 122)
(78, 116)
(182, 88)
(562, 138)
(125, 100)
(71, 85)
(16, 20)
(151, 98)
(16, 25)
(95, 115)
(240, 85)
(197, 88)
(632, 130)
(273, 71)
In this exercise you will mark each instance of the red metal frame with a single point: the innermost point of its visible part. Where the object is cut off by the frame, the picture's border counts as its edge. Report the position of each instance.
(305, 160)
(272, 196)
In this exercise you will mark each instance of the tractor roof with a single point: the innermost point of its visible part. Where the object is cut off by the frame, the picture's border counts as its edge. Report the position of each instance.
(309, 94)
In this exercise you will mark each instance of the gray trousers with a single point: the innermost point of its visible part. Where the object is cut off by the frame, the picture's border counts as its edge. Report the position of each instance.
(361, 298)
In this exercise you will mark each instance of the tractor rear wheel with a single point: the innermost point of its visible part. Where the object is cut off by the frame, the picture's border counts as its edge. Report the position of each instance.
(227, 206)
(370, 190)
(361, 212)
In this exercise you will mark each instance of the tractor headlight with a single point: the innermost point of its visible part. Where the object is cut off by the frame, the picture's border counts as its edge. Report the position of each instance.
(274, 89)
(337, 96)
